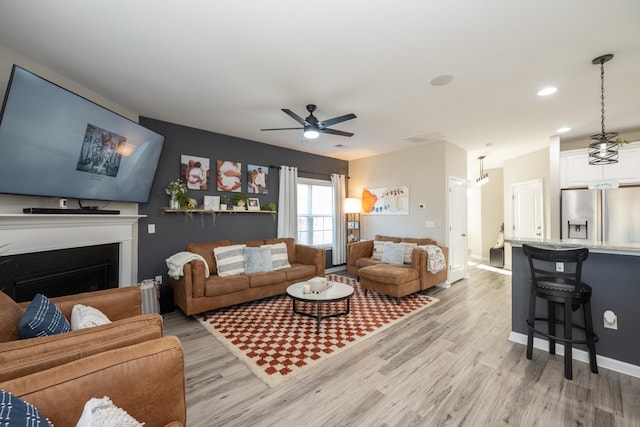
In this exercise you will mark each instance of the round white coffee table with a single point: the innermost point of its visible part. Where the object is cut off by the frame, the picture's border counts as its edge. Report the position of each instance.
(336, 292)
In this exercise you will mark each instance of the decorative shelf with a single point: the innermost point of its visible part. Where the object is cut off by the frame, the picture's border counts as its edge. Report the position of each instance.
(203, 211)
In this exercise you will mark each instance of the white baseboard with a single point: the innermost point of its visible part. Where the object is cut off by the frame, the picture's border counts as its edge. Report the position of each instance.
(580, 355)
(335, 269)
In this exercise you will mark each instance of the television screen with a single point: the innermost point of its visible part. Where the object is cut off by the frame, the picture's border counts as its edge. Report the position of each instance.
(56, 143)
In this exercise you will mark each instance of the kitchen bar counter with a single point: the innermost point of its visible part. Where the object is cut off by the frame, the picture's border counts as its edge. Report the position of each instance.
(599, 247)
(613, 271)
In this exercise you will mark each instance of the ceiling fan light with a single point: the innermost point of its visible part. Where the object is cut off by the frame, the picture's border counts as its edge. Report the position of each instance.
(311, 134)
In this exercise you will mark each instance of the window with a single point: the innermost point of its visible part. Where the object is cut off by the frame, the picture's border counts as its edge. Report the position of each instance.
(315, 212)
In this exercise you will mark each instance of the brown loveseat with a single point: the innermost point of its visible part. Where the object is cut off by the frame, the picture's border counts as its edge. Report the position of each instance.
(360, 254)
(123, 306)
(194, 293)
(146, 380)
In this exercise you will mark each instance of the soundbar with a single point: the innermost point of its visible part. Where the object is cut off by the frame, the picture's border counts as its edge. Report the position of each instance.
(54, 211)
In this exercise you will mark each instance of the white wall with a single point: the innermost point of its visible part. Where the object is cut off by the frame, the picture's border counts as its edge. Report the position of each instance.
(425, 169)
(521, 169)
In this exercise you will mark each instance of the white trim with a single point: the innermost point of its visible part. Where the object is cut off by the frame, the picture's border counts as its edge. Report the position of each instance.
(580, 355)
(25, 233)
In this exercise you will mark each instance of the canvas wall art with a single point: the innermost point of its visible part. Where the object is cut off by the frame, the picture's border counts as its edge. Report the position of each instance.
(257, 179)
(386, 201)
(229, 176)
(195, 172)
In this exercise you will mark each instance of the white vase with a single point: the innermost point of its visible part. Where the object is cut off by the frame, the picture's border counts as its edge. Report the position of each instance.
(173, 203)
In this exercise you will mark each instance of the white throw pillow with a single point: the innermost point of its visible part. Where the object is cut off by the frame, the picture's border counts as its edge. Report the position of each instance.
(393, 253)
(103, 413)
(83, 316)
(408, 250)
(279, 256)
(230, 259)
(378, 248)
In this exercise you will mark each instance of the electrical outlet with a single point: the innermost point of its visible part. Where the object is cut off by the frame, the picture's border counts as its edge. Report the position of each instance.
(560, 266)
(151, 228)
(159, 280)
(610, 320)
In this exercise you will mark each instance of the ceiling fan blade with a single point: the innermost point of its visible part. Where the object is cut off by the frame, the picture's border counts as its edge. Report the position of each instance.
(335, 132)
(337, 120)
(295, 117)
(281, 128)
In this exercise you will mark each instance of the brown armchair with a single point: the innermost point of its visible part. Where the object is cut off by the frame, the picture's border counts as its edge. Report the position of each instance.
(146, 380)
(123, 306)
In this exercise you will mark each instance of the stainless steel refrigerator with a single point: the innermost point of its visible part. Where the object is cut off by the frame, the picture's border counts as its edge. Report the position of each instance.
(611, 215)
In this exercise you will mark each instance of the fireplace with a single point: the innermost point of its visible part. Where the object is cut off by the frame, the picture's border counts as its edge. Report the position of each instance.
(34, 235)
(59, 272)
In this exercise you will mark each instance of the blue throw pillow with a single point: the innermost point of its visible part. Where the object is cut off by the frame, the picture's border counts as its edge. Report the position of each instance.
(257, 260)
(393, 253)
(42, 318)
(17, 412)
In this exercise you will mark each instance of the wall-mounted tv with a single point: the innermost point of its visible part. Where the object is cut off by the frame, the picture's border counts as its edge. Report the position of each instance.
(56, 143)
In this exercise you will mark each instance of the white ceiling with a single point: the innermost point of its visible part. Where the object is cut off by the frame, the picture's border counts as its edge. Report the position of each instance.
(230, 66)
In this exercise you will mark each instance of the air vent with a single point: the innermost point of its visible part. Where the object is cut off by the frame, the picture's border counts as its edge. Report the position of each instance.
(427, 137)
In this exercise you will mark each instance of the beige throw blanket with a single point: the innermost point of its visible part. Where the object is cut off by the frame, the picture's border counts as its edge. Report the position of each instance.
(435, 261)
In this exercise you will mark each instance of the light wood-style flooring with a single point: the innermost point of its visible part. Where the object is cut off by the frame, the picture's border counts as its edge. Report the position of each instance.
(449, 365)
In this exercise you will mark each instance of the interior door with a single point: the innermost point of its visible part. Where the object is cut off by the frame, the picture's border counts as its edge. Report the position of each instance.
(528, 218)
(457, 229)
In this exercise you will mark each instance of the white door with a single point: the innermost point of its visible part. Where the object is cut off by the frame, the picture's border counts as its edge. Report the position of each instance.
(527, 209)
(457, 229)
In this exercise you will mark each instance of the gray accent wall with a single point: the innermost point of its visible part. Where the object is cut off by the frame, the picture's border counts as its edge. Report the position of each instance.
(175, 231)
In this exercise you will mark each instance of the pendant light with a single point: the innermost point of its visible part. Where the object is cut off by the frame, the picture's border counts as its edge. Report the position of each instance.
(484, 177)
(603, 148)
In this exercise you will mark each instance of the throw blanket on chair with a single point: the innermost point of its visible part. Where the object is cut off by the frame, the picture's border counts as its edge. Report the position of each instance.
(177, 261)
(435, 262)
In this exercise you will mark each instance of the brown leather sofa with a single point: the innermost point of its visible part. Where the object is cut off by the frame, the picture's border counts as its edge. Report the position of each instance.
(145, 379)
(360, 254)
(194, 293)
(123, 306)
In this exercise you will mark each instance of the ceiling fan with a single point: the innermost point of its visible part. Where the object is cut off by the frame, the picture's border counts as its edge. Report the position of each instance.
(314, 127)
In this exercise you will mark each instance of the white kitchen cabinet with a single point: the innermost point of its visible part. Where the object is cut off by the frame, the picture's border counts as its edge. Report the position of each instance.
(575, 170)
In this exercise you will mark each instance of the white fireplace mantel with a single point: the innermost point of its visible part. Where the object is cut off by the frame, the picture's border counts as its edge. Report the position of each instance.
(26, 233)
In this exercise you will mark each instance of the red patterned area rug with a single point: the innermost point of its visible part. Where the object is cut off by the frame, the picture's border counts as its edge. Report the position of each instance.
(277, 344)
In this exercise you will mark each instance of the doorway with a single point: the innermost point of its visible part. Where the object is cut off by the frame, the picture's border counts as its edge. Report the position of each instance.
(457, 229)
(527, 210)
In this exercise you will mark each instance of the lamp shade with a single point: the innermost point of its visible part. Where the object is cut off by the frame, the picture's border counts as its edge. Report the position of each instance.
(352, 205)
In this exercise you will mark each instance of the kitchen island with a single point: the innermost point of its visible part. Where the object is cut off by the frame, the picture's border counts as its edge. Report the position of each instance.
(613, 272)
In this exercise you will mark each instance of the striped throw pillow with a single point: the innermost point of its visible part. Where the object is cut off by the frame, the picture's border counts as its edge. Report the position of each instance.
(279, 257)
(230, 259)
(378, 247)
(408, 250)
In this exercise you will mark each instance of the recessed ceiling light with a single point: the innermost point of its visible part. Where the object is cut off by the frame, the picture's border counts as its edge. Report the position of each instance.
(547, 91)
(442, 80)
(563, 130)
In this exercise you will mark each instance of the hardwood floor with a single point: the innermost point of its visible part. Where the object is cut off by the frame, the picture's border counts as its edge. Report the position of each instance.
(450, 364)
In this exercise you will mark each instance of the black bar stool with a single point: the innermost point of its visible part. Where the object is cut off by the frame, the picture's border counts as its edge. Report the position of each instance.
(565, 288)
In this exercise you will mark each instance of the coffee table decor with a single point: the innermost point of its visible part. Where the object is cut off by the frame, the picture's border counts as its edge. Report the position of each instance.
(276, 344)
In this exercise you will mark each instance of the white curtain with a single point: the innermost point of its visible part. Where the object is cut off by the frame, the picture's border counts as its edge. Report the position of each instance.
(288, 202)
(339, 253)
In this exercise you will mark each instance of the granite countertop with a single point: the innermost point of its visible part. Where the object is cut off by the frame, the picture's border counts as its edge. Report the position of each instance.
(604, 247)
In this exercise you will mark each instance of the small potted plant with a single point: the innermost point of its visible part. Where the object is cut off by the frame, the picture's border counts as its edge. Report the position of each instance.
(239, 201)
(223, 203)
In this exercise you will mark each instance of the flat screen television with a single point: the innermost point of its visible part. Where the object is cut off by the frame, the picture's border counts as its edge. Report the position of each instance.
(56, 143)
